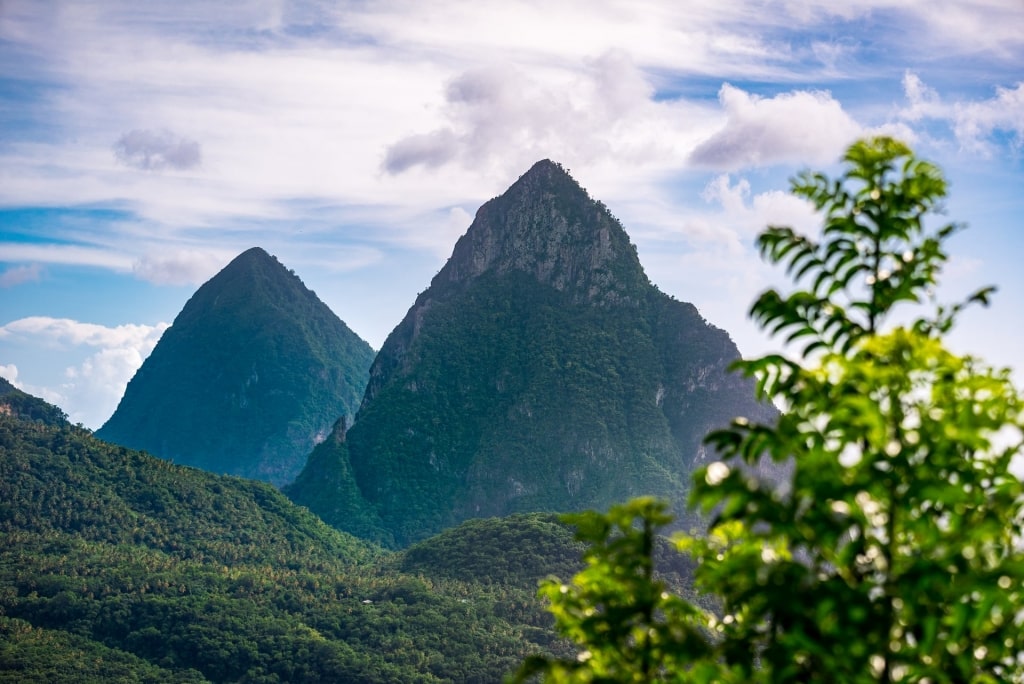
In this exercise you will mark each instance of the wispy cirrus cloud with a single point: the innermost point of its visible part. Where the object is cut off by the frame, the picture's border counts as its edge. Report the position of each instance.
(17, 275)
(178, 266)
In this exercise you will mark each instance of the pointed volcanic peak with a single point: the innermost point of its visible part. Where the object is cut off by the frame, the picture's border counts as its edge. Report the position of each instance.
(546, 230)
(540, 371)
(249, 378)
(547, 226)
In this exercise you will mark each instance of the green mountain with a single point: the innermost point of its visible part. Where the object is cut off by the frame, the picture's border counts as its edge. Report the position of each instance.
(14, 402)
(119, 566)
(540, 371)
(248, 379)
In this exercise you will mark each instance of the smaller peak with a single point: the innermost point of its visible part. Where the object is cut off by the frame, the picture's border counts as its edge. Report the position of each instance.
(545, 166)
(548, 169)
(253, 259)
(254, 254)
(547, 177)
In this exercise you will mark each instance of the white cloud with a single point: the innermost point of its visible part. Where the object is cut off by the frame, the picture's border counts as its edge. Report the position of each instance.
(17, 275)
(974, 123)
(801, 127)
(68, 331)
(178, 267)
(991, 26)
(507, 117)
(924, 101)
(717, 268)
(156, 150)
(91, 389)
(10, 373)
(65, 254)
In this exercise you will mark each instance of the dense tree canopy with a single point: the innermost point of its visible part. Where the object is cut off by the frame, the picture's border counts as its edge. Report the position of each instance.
(894, 555)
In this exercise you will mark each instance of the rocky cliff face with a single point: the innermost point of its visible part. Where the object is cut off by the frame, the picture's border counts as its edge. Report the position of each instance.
(249, 378)
(539, 371)
(547, 226)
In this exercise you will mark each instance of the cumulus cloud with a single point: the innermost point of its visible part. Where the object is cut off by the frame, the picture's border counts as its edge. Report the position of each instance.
(156, 150)
(974, 122)
(503, 113)
(924, 101)
(429, 149)
(16, 275)
(91, 389)
(749, 215)
(10, 373)
(177, 267)
(804, 127)
(68, 331)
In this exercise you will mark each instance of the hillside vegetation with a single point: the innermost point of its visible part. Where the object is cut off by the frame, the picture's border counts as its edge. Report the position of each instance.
(117, 566)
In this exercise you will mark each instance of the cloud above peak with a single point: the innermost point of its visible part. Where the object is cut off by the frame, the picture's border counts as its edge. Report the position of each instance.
(157, 150)
(801, 126)
(505, 114)
(178, 267)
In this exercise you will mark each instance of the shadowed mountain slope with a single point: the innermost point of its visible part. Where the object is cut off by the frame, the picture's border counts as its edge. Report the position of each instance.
(249, 378)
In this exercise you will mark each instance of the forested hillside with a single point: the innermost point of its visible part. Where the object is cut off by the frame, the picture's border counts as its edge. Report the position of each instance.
(118, 566)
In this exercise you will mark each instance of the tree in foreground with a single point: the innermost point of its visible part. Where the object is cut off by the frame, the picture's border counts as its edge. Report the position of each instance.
(894, 553)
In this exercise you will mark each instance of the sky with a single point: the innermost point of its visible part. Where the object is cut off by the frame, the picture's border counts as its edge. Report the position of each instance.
(143, 145)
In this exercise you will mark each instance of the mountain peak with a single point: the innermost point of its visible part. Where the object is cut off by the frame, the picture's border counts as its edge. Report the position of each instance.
(253, 255)
(254, 262)
(546, 171)
(248, 378)
(547, 225)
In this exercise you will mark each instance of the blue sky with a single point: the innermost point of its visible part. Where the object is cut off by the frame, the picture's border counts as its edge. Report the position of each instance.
(144, 145)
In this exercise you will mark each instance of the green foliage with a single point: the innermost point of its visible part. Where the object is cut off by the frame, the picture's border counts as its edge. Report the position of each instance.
(326, 485)
(632, 627)
(118, 566)
(518, 550)
(16, 403)
(894, 553)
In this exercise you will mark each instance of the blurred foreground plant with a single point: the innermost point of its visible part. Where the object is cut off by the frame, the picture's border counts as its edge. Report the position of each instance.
(893, 554)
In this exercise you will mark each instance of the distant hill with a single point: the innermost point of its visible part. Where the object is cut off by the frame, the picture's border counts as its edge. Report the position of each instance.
(540, 371)
(249, 378)
(119, 566)
(14, 402)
